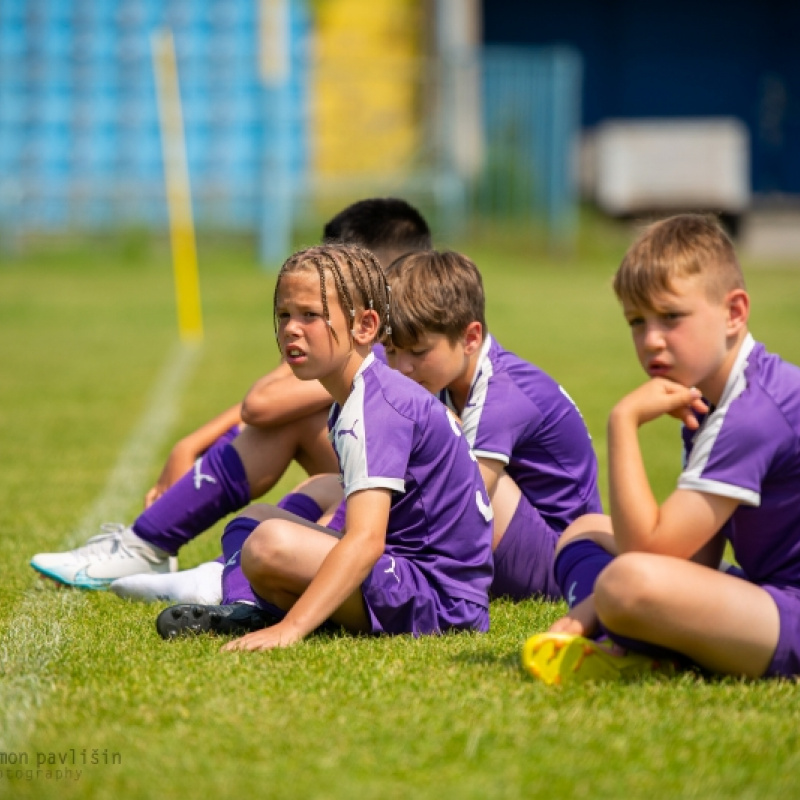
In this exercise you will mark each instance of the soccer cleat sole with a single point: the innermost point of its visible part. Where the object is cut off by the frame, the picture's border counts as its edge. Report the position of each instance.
(561, 659)
(189, 619)
(80, 581)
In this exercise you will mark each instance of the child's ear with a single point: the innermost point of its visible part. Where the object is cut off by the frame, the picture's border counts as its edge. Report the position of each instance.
(738, 304)
(473, 337)
(366, 326)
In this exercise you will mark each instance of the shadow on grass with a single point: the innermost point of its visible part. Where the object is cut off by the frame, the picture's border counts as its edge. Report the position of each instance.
(489, 657)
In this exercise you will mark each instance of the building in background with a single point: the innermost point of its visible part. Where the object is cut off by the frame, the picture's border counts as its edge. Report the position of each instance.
(704, 94)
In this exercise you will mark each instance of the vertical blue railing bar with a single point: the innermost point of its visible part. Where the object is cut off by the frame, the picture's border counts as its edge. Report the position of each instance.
(531, 101)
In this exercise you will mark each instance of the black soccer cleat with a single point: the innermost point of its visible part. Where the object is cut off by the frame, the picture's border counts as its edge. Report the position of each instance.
(235, 619)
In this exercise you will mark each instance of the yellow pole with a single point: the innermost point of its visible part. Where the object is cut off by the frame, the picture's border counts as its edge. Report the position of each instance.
(179, 198)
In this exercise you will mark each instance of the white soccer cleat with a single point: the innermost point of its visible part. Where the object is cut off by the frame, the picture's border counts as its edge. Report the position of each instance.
(113, 554)
(201, 585)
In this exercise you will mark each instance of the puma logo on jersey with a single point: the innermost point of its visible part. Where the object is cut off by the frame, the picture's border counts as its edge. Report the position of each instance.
(200, 476)
(348, 431)
(486, 510)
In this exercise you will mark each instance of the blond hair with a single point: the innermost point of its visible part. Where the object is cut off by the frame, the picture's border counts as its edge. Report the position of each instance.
(682, 246)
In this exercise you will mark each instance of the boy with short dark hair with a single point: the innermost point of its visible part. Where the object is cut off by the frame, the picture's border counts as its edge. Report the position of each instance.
(531, 443)
(663, 595)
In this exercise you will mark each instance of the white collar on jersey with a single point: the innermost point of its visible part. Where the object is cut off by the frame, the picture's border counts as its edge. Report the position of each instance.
(732, 384)
(484, 354)
(364, 364)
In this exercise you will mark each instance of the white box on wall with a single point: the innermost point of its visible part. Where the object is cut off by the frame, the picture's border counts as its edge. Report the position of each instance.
(635, 166)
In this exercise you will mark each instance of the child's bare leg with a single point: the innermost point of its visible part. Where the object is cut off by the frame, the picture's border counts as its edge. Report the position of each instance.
(267, 452)
(326, 491)
(581, 620)
(721, 622)
(595, 527)
(281, 558)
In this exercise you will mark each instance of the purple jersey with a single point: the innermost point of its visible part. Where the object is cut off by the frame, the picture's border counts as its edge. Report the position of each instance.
(393, 434)
(748, 449)
(518, 415)
(379, 351)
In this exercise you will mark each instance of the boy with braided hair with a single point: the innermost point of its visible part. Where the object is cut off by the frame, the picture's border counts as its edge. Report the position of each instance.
(235, 458)
(529, 440)
(415, 556)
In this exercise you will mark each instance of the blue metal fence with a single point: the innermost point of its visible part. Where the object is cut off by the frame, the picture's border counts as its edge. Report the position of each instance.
(531, 112)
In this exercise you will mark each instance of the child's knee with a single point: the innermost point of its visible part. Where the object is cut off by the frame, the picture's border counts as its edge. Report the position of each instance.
(265, 549)
(595, 527)
(626, 589)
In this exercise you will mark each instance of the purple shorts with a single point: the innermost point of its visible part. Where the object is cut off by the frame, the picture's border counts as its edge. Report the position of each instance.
(786, 658)
(338, 518)
(524, 559)
(399, 598)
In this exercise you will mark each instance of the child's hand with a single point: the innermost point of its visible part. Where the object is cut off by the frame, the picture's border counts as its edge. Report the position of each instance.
(660, 396)
(581, 620)
(276, 636)
(180, 461)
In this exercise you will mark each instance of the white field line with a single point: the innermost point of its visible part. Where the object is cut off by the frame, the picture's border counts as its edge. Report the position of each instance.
(41, 621)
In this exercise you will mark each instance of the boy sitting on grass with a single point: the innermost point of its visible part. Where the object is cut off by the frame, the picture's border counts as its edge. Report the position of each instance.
(531, 443)
(415, 556)
(645, 582)
(225, 464)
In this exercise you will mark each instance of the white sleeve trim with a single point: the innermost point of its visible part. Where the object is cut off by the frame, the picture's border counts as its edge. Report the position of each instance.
(745, 496)
(503, 459)
(394, 484)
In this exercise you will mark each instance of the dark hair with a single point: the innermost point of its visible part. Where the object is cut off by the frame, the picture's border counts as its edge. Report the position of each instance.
(379, 223)
(434, 292)
(358, 276)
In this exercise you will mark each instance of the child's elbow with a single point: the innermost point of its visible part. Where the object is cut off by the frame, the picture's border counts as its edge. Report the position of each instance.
(371, 544)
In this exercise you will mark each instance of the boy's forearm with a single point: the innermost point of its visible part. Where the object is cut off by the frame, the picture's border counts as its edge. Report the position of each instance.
(284, 400)
(342, 572)
(634, 510)
(201, 439)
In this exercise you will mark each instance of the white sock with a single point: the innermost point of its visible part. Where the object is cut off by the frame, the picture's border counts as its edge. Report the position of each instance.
(202, 585)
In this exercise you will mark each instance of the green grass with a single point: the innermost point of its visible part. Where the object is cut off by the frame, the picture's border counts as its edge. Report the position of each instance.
(84, 331)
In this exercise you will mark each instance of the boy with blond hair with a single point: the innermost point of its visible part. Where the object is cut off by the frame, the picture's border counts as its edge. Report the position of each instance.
(646, 581)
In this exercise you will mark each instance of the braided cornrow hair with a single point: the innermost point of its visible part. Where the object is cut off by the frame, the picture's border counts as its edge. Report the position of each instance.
(358, 277)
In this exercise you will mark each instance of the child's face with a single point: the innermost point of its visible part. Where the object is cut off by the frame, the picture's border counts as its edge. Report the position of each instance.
(683, 336)
(304, 336)
(433, 362)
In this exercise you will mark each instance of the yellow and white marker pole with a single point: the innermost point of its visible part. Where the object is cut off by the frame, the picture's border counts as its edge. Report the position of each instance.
(179, 198)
